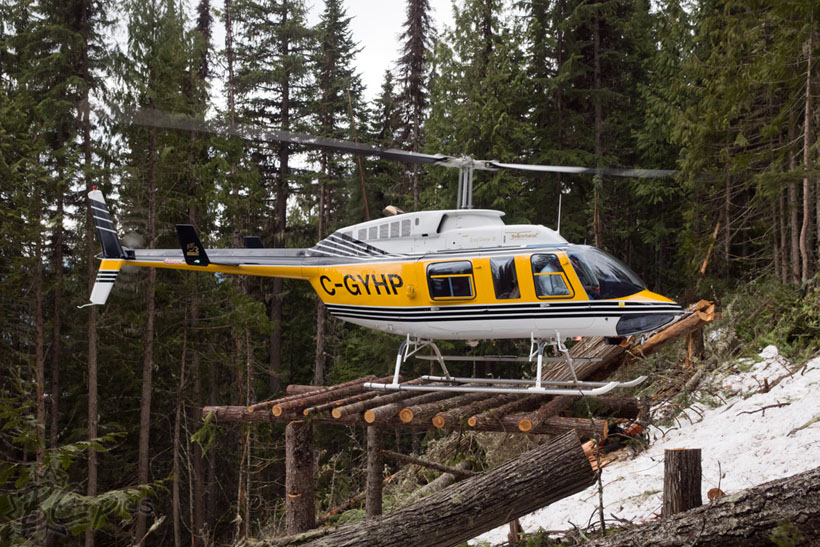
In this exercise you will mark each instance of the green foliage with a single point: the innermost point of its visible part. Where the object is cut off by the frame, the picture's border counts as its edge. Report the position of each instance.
(37, 497)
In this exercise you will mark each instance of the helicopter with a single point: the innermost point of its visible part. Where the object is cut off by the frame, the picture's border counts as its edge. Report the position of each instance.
(427, 276)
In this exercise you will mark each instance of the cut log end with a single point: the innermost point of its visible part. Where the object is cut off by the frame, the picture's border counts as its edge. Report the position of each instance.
(439, 421)
(276, 410)
(406, 415)
(525, 425)
(336, 413)
(369, 416)
(471, 421)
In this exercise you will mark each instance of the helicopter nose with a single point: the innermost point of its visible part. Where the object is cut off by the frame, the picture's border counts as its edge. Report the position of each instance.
(656, 312)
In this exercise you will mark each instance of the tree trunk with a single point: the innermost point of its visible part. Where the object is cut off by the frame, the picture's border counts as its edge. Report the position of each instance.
(91, 487)
(39, 350)
(143, 455)
(681, 480)
(56, 332)
(597, 227)
(300, 513)
(786, 509)
(533, 480)
(794, 227)
(375, 466)
(176, 509)
(805, 250)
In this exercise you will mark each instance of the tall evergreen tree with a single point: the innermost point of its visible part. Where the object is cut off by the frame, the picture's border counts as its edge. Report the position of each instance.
(335, 77)
(413, 69)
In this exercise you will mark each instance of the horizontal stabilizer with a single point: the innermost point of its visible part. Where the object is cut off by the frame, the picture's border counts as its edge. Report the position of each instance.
(192, 249)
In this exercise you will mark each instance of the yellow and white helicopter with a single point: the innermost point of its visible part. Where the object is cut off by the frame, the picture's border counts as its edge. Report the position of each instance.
(459, 274)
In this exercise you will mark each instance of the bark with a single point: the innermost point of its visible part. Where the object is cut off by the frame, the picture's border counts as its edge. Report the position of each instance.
(39, 352)
(375, 466)
(439, 483)
(555, 425)
(805, 251)
(453, 418)
(681, 480)
(544, 412)
(334, 405)
(176, 509)
(299, 498)
(363, 406)
(310, 399)
(751, 517)
(703, 312)
(794, 227)
(56, 332)
(422, 412)
(91, 486)
(495, 414)
(143, 451)
(308, 393)
(389, 411)
(533, 480)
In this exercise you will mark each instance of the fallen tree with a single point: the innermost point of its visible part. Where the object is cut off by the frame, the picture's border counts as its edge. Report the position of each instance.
(533, 480)
(784, 512)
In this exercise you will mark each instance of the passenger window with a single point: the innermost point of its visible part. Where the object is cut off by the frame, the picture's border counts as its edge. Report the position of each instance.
(451, 280)
(505, 280)
(548, 276)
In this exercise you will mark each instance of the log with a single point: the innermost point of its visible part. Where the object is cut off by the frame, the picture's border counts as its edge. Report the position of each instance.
(700, 313)
(300, 393)
(424, 411)
(333, 405)
(495, 414)
(300, 512)
(388, 411)
(458, 473)
(381, 400)
(300, 389)
(555, 425)
(787, 509)
(302, 401)
(439, 483)
(453, 418)
(681, 480)
(503, 425)
(547, 410)
(536, 478)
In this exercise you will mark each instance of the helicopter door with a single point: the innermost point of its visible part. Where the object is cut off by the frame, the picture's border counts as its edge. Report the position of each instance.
(552, 285)
(505, 279)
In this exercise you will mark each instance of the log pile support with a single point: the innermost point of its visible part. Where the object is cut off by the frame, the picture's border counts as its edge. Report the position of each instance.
(300, 512)
(375, 465)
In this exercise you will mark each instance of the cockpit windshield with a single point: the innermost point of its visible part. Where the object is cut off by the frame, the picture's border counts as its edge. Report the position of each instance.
(602, 276)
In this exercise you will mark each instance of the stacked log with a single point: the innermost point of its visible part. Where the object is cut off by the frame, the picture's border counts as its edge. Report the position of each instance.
(300, 402)
(386, 412)
(454, 418)
(422, 412)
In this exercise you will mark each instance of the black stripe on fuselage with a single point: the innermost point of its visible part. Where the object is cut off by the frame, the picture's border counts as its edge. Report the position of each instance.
(520, 311)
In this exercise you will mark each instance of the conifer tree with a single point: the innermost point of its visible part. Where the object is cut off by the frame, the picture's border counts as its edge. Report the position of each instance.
(413, 79)
(335, 78)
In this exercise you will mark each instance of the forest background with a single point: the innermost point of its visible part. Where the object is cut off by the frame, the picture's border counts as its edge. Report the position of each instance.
(101, 438)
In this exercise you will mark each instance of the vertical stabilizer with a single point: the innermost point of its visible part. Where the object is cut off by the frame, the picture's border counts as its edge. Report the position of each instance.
(112, 251)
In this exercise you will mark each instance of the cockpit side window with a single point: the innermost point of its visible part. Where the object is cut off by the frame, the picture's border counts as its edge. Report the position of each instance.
(548, 276)
(451, 280)
(602, 276)
(505, 280)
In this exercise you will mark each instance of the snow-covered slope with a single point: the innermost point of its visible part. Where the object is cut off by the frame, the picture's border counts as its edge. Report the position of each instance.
(743, 443)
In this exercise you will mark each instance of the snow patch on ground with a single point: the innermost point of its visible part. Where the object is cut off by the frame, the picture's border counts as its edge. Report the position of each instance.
(750, 438)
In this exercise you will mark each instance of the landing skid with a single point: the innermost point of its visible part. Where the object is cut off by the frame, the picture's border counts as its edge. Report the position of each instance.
(573, 387)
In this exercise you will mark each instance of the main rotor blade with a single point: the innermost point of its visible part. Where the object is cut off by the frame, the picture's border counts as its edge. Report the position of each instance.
(165, 120)
(640, 173)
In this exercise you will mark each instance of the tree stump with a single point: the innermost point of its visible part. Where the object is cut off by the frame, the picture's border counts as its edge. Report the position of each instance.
(681, 480)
